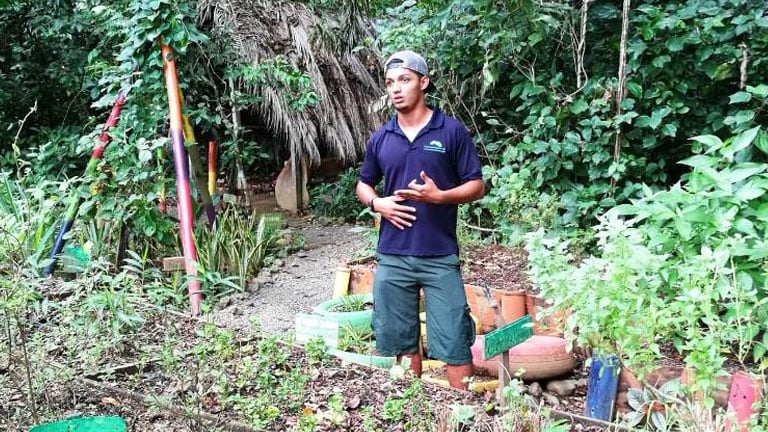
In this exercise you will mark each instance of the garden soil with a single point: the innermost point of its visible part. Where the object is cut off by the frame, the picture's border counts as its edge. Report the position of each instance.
(302, 280)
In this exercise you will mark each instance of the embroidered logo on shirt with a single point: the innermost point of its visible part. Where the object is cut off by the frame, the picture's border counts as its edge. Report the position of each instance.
(435, 146)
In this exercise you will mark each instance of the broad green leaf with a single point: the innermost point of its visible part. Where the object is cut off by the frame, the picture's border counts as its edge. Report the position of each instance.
(579, 106)
(761, 141)
(698, 215)
(760, 90)
(745, 171)
(742, 141)
(669, 129)
(740, 97)
(701, 162)
(761, 212)
(643, 121)
(748, 192)
(635, 89)
(712, 142)
(745, 226)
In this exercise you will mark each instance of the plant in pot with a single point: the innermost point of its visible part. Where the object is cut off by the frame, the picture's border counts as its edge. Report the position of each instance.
(356, 345)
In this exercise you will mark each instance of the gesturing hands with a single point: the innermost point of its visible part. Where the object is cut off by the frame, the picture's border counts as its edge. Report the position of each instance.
(399, 215)
(402, 216)
(427, 192)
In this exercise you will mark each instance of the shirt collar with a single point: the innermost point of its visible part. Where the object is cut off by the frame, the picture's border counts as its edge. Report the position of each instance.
(437, 120)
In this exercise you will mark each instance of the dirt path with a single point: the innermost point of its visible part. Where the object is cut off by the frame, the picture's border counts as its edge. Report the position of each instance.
(296, 283)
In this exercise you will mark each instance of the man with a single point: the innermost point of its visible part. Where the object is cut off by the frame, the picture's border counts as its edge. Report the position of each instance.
(429, 166)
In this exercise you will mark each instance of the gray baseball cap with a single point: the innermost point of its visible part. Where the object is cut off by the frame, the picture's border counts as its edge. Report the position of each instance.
(409, 60)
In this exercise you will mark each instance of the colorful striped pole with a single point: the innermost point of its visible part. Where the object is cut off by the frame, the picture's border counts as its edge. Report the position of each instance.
(197, 165)
(181, 163)
(212, 152)
(90, 170)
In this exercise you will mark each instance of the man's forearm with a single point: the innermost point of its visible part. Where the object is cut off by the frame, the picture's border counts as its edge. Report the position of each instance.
(467, 192)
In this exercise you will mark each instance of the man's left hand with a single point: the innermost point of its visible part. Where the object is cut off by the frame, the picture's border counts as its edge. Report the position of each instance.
(425, 192)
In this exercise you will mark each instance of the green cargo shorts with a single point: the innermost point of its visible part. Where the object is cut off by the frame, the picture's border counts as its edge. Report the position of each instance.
(450, 328)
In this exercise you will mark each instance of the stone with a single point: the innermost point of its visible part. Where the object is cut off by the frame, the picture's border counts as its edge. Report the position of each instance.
(535, 390)
(551, 400)
(562, 387)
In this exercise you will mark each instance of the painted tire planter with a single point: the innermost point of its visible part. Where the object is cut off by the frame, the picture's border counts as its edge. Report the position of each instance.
(371, 360)
(356, 320)
(540, 357)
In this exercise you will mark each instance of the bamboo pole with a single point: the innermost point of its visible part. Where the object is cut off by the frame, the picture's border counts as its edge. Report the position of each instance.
(212, 151)
(197, 165)
(180, 162)
(90, 170)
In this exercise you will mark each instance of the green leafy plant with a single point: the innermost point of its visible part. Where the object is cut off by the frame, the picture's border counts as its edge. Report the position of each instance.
(650, 410)
(681, 266)
(412, 408)
(337, 199)
(356, 339)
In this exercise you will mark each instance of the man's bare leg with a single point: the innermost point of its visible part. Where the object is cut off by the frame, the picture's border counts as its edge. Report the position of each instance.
(415, 362)
(458, 375)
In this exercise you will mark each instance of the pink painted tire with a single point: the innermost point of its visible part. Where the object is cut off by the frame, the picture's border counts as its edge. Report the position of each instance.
(540, 357)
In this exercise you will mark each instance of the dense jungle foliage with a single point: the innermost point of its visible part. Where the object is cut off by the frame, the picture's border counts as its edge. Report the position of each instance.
(562, 135)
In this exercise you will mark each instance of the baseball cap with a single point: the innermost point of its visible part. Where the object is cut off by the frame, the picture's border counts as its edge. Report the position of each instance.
(409, 60)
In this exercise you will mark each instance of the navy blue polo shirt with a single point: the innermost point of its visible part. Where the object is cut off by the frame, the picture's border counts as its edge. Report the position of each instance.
(444, 151)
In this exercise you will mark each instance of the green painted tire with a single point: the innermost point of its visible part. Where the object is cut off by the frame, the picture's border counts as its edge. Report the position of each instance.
(365, 359)
(356, 320)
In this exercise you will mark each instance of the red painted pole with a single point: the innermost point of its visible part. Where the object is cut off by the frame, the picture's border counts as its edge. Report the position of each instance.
(74, 205)
(180, 162)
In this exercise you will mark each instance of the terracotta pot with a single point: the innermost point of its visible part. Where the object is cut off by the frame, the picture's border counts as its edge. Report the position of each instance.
(479, 307)
(512, 304)
(551, 325)
(361, 279)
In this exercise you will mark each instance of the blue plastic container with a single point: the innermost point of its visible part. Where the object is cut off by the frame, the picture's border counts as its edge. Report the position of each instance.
(602, 387)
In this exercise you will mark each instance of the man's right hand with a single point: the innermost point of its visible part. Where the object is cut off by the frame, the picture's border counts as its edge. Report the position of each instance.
(401, 216)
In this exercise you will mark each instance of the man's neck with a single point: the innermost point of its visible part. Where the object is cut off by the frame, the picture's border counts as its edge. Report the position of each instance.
(418, 116)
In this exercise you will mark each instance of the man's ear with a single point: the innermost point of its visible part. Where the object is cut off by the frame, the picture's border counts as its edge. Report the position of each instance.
(424, 83)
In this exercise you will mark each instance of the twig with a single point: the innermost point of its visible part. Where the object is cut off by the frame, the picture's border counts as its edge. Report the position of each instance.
(15, 145)
(581, 46)
(622, 91)
(744, 63)
(27, 369)
(481, 229)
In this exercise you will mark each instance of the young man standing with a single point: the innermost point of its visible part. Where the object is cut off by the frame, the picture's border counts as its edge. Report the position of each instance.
(429, 166)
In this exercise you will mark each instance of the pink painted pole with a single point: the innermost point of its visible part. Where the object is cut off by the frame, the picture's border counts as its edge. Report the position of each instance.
(180, 162)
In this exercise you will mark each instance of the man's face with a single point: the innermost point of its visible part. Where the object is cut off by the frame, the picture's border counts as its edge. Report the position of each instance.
(404, 88)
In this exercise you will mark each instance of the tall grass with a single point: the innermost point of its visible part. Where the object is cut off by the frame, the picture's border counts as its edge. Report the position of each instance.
(238, 243)
(27, 226)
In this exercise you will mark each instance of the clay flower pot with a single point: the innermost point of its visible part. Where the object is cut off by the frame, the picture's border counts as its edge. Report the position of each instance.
(512, 304)
(552, 324)
(361, 273)
(479, 307)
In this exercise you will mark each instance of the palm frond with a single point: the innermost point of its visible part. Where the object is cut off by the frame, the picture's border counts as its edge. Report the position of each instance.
(345, 82)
